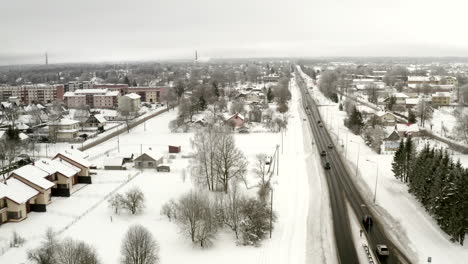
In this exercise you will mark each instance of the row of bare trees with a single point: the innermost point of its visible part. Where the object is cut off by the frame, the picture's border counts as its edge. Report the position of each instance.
(138, 247)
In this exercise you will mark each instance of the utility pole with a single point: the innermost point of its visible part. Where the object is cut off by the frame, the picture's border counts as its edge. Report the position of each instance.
(118, 143)
(141, 149)
(271, 211)
(277, 159)
(281, 141)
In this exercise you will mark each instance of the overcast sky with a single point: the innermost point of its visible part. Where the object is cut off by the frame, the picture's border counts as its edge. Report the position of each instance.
(117, 30)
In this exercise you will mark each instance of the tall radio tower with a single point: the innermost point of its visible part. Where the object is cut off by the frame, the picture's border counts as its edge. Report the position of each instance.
(196, 56)
(46, 59)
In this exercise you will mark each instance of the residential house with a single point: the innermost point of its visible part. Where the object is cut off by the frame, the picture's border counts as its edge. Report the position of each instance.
(410, 103)
(115, 163)
(404, 130)
(148, 159)
(441, 98)
(96, 120)
(73, 158)
(236, 120)
(63, 175)
(400, 98)
(451, 80)
(37, 179)
(391, 143)
(15, 200)
(63, 130)
(386, 118)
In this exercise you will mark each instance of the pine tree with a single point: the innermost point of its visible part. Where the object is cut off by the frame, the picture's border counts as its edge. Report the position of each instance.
(411, 117)
(270, 95)
(408, 156)
(398, 159)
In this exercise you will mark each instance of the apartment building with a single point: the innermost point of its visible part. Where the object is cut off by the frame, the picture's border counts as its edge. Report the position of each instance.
(94, 98)
(32, 93)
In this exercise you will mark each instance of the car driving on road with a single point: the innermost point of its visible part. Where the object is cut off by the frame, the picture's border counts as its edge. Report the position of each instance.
(382, 250)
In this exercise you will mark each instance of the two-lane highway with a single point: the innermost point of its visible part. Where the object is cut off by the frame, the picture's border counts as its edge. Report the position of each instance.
(342, 190)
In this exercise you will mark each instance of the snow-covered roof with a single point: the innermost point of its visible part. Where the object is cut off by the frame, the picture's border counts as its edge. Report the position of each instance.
(382, 113)
(64, 122)
(151, 154)
(412, 101)
(407, 127)
(100, 118)
(53, 166)
(75, 158)
(91, 91)
(34, 175)
(115, 161)
(418, 79)
(76, 152)
(133, 96)
(441, 94)
(17, 191)
(400, 95)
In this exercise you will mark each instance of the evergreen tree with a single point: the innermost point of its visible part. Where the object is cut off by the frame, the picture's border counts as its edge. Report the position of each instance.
(134, 83)
(411, 117)
(409, 155)
(398, 160)
(215, 89)
(202, 103)
(270, 95)
(355, 121)
(127, 81)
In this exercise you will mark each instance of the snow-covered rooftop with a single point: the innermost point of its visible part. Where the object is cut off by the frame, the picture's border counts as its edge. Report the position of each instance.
(133, 96)
(53, 166)
(34, 175)
(17, 191)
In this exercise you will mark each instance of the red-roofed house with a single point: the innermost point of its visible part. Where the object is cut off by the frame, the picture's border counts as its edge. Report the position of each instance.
(236, 120)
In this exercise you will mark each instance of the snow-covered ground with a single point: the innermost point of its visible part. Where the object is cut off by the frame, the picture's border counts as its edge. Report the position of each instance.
(407, 221)
(86, 216)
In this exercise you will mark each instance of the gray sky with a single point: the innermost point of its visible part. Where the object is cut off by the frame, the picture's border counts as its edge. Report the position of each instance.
(116, 30)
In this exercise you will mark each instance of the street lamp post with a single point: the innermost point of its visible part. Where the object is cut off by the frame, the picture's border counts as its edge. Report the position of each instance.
(376, 178)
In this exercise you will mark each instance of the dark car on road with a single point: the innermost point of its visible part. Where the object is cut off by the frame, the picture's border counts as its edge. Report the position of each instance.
(367, 221)
(330, 146)
(327, 165)
(323, 153)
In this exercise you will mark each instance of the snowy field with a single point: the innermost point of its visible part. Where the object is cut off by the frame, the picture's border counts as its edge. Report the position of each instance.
(406, 220)
(86, 216)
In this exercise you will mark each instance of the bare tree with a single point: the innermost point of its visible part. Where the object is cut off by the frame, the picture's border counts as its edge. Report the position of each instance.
(139, 247)
(462, 125)
(231, 205)
(134, 200)
(76, 252)
(170, 96)
(196, 218)
(423, 111)
(204, 143)
(116, 202)
(46, 252)
(230, 162)
(264, 175)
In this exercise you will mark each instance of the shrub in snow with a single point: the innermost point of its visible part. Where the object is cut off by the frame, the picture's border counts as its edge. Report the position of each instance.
(139, 247)
(255, 224)
(17, 240)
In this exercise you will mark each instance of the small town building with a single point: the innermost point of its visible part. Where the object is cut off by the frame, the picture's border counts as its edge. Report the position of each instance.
(174, 149)
(63, 130)
(115, 163)
(441, 98)
(148, 159)
(15, 200)
(76, 159)
(404, 130)
(391, 143)
(63, 175)
(129, 103)
(386, 118)
(35, 178)
(236, 120)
